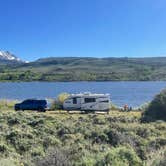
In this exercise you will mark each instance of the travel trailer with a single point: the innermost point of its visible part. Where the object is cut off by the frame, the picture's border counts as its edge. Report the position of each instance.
(87, 102)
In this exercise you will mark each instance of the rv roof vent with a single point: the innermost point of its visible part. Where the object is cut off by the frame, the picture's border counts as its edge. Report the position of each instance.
(87, 93)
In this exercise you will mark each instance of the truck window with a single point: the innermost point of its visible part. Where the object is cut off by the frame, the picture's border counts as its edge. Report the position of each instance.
(90, 100)
(41, 102)
(27, 102)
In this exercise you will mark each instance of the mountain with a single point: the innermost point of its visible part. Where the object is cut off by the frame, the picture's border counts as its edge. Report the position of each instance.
(6, 58)
(85, 69)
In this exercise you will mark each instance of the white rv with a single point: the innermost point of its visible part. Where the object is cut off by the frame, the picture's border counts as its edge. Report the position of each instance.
(87, 102)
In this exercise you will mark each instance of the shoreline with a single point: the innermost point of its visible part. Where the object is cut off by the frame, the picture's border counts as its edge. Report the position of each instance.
(7, 81)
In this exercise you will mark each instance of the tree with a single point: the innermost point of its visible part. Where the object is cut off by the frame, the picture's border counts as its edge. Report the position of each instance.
(58, 104)
(157, 108)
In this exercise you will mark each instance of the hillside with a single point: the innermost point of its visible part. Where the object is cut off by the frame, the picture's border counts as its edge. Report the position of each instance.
(86, 69)
(42, 139)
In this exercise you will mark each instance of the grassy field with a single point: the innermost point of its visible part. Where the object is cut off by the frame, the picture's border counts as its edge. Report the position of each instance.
(58, 138)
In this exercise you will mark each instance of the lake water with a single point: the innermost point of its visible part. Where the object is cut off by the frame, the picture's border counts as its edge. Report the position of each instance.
(132, 93)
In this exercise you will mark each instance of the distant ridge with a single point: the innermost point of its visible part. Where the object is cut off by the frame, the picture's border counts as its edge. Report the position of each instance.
(87, 69)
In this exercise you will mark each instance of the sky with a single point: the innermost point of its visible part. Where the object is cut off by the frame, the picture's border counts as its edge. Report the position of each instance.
(33, 29)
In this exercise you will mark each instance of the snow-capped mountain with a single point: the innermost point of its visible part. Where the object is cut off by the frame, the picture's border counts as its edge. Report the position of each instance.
(7, 56)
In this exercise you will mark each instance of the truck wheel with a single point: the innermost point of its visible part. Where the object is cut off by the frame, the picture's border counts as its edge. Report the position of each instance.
(41, 109)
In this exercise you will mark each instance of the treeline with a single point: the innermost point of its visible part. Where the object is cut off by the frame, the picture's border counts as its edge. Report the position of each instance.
(28, 75)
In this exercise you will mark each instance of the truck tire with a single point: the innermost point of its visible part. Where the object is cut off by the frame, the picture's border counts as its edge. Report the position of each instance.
(40, 109)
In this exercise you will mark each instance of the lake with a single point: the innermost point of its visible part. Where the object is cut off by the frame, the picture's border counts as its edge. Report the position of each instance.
(132, 93)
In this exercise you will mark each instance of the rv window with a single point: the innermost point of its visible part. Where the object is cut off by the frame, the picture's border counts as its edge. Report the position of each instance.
(90, 100)
(104, 101)
(74, 100)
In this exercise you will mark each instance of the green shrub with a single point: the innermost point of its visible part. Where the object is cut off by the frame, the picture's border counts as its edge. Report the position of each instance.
(7, 104)
(58, 103)
(13, 121)
(63, 131)
(122, 156)
(162, 162)
(99, 121)
(13, 136)
(50, 141)
(55, 156)
(88, 161)
(3, 148)
(157, 143)
(99, 137)
(116, 137)
(9, 162)
(36, 122)
(114, 107)
(23, 145)
(61, 98)
(37, 151)
(157, 108)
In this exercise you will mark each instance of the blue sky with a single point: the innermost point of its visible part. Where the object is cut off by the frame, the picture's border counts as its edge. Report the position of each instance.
(32, 29)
